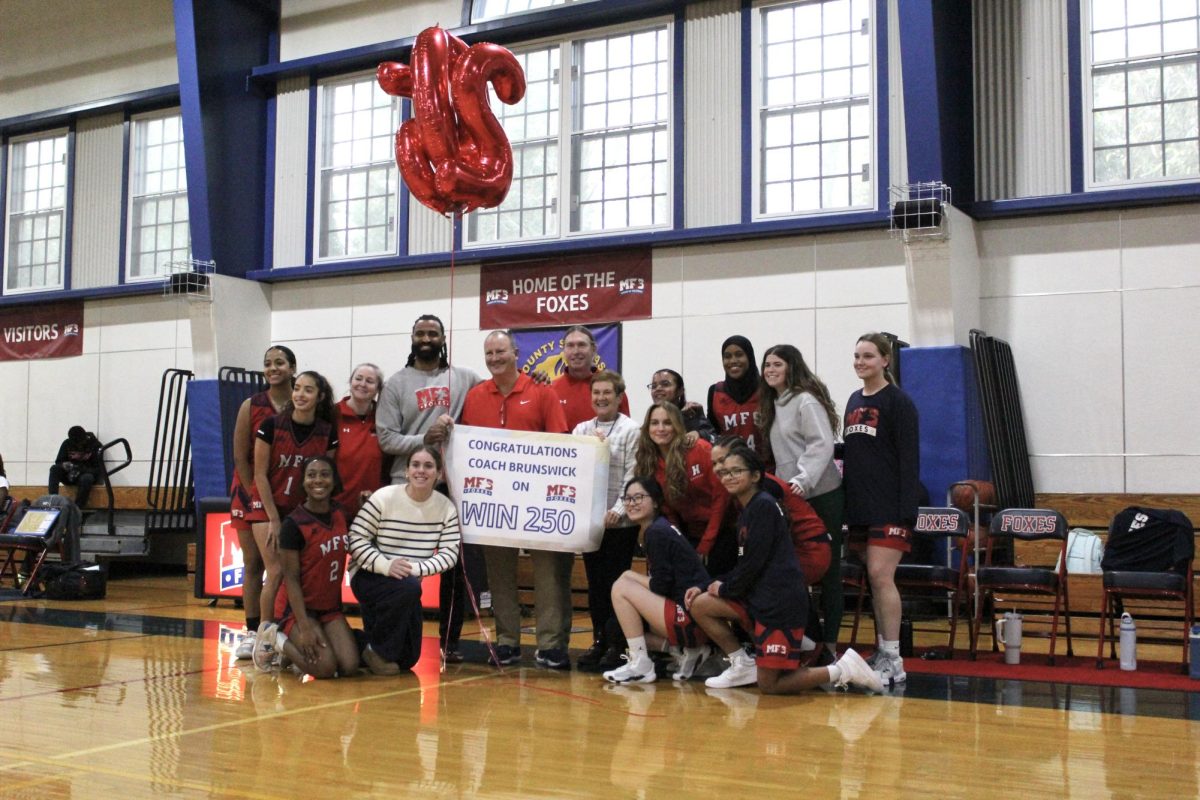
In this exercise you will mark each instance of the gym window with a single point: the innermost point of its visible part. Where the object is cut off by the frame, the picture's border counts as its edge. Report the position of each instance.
(356, 194)
(484, 10)
(37, 204)
(1140, 92)
(813, 96)
(158, 221)
(594, 127)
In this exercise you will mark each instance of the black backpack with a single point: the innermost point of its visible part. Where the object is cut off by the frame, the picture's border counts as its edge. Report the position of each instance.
(74, 580)
(1149, 540)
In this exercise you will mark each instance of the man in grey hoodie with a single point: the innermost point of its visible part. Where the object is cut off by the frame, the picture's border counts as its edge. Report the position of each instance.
(406, 417)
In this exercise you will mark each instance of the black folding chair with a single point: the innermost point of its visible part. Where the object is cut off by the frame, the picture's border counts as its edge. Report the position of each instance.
(949, 580)
(1172, 582)
(1025, 524)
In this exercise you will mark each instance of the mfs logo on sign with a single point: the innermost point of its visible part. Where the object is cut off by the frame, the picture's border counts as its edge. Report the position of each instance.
(560, 492)
(495, 296)
(632, 286)
(475, 484)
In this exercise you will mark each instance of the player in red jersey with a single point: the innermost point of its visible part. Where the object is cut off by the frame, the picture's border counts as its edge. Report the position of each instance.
(283, 442)
(360, 460)
(733, 402)
(279, 368)
(695, 500)
(313, 632)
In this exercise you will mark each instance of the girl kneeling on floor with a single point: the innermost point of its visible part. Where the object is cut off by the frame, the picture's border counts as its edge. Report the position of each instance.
(313, 632)
(765, 594)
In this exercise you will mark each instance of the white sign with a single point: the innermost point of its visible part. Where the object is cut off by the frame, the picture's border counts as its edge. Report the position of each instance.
(539, 491)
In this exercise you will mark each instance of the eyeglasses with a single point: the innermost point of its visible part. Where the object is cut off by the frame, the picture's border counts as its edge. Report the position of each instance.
(660, 385)
(732, 472)
(633, 499)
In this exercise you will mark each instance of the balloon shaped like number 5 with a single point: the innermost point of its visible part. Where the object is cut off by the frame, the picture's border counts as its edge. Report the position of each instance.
(453, 153)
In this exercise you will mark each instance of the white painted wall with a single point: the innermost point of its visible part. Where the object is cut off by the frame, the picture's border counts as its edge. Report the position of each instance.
(312, 27)
(1100, 309)
(112, 388)
(59, 53)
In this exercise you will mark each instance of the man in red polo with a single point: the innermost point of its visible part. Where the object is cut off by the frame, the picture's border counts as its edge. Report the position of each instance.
(512, 400)
(574, 386)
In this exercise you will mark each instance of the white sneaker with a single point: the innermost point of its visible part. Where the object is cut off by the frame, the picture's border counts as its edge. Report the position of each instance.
(640, 671)
(855, 672)
(891, 671)
(266, 656)
(688, 661)
(245, 648)
(742, 671)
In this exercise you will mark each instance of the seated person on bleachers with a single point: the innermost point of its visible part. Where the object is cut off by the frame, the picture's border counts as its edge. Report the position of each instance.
(78, 463)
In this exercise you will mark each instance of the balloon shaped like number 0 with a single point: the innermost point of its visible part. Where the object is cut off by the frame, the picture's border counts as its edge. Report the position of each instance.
(453, 154)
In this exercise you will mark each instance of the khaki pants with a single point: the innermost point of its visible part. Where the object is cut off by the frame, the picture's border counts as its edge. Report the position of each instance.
(551, 595)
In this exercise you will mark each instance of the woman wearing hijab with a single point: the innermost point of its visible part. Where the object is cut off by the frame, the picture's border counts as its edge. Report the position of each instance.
(733, 402)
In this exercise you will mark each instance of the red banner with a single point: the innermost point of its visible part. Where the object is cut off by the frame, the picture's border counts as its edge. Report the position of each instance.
(52, 331)
(572, 290)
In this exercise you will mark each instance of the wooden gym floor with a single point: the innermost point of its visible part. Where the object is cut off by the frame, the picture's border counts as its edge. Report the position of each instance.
(138, 695)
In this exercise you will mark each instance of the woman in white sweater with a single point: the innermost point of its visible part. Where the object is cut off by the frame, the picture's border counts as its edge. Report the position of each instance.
(800, 420)
(402, 533)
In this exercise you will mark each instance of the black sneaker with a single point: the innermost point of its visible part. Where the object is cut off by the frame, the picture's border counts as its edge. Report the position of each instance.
(612, 659)
(506, 655)
(554, 658)
(591, 659)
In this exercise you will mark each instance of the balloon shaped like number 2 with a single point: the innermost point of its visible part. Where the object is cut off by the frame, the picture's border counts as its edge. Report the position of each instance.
(453, 153)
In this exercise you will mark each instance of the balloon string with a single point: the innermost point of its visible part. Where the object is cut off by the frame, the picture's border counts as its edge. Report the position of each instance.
(455, 220)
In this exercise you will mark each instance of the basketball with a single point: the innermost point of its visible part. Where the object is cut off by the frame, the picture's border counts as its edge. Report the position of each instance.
(962, 497)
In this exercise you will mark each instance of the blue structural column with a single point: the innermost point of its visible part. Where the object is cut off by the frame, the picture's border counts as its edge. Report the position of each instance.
(225, 125)
(936, 59)
(941, 382)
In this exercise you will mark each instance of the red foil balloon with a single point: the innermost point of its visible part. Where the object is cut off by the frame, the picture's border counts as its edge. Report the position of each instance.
(453, 154)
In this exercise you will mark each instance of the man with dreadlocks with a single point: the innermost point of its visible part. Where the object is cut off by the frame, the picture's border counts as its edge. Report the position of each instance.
(407, 417)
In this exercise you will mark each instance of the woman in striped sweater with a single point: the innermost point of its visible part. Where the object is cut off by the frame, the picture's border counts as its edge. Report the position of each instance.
(402, 533)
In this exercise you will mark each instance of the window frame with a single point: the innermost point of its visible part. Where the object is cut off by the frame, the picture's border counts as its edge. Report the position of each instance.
(754, 112)
(131, 253)
(570, 47)
(471, 19)
(64, 243)
(320, 126)
(1088, 69)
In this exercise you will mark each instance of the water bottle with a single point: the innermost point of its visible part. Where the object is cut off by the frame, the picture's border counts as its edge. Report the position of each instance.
(1194, 660)
(906, 637)
(1128, 643)
(1008, 633)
